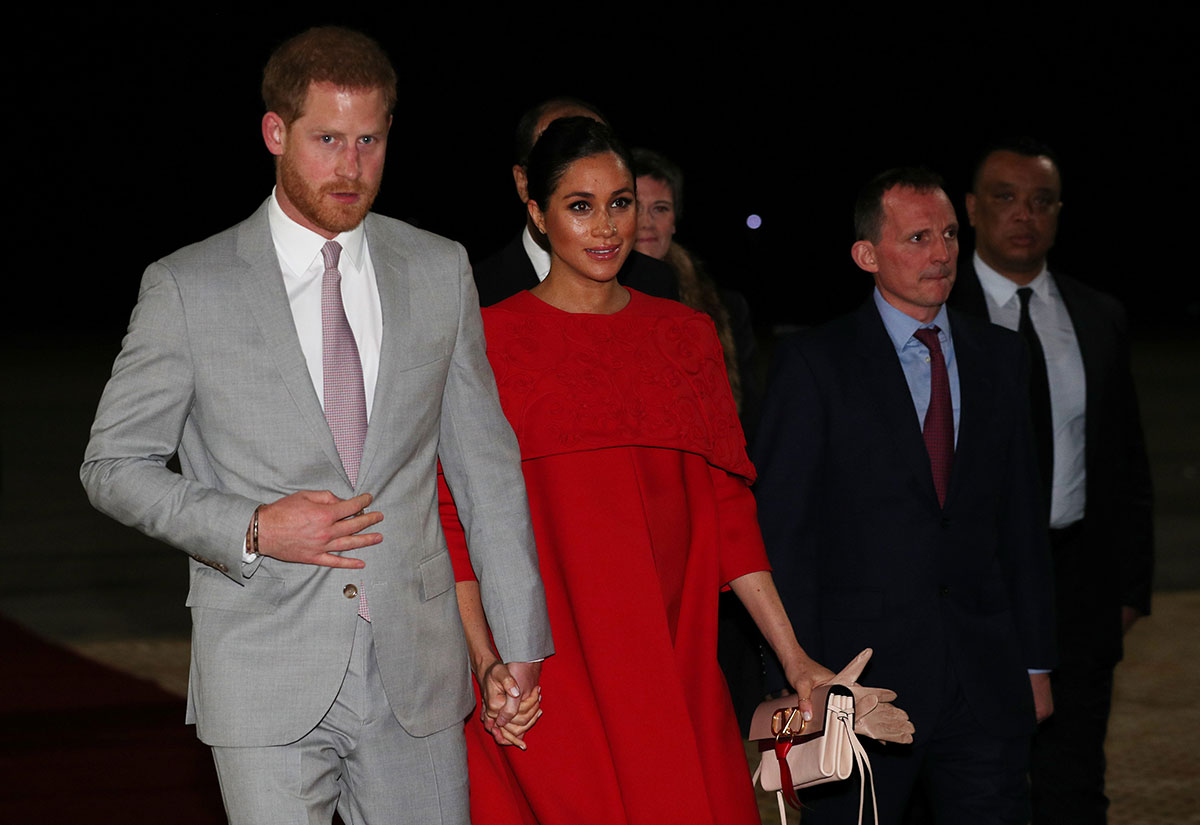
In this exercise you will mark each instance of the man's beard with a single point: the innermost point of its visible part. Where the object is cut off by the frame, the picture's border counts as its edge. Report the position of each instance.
(320, 210)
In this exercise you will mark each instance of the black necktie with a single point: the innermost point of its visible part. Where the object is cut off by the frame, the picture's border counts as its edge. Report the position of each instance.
(1039, 394)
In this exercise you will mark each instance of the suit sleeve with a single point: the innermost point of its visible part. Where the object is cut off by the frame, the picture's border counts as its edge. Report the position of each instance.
(452, 529)
(1024, 543)
(1136, 507)
(138, 428)
(482, 466)
(788, 454)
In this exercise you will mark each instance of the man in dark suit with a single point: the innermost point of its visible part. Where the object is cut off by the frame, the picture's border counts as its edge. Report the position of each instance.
(1090, 449)
(898, 499)
(524, 262)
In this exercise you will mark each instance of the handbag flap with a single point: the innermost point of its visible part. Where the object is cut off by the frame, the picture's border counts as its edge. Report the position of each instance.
(760, 723)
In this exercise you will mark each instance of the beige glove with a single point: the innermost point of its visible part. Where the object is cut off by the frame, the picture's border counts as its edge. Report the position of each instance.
(874, 714)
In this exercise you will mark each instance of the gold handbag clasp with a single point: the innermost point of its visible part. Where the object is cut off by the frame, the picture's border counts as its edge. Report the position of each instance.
(782, 721)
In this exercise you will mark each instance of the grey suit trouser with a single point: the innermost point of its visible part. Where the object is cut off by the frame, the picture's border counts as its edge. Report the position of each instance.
(358, 759)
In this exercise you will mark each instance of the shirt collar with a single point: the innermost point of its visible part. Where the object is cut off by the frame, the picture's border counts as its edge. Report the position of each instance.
(900, 327)
(1001, 290)
(539, 257)
(299, 246)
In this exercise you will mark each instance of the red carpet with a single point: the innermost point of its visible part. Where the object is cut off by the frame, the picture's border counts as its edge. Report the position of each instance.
(81, 743)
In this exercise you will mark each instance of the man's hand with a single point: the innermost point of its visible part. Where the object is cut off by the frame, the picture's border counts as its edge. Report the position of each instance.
(526, 676)
(312, 527)
(1043, 696)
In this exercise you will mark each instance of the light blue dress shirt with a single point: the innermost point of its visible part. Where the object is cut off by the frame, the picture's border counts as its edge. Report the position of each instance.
(914, 358)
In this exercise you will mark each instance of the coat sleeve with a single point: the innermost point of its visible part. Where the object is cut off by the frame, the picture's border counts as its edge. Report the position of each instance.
(138, 428)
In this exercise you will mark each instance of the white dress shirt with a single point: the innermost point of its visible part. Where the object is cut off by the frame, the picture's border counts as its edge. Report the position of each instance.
(299, 253)
(1068, 384)
(539, 257)
(303, 266)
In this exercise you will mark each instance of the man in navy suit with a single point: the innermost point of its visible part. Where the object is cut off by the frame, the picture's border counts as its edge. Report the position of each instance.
(899, 500)
(1090, 450)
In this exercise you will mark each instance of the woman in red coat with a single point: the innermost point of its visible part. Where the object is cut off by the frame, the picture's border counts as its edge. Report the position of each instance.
(638, 486)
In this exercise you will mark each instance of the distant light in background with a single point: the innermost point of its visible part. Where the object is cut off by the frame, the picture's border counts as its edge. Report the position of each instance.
(754, 221)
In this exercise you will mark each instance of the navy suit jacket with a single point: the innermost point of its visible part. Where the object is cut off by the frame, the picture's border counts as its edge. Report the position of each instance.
(863, 554)
(1114, 565)
(509, 271)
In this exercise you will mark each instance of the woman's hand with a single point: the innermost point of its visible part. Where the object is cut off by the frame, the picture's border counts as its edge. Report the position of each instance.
(804, 674)
(757, 592)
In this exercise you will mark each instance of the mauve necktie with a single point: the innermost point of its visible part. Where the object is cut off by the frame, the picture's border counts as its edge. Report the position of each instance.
(939, 418)
(345, 398)
(1039, 393)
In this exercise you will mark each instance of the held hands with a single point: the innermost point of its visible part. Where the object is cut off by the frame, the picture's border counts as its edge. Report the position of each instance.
(507, 711)
(312, 527)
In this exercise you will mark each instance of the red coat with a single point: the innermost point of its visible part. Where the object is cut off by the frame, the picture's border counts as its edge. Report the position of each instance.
(637, 477)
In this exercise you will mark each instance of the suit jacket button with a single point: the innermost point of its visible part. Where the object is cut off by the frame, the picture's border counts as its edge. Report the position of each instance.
(945, 522)
(944, 590)
(350, 591)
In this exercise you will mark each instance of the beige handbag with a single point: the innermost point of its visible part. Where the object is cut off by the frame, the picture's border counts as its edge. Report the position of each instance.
(796, 754)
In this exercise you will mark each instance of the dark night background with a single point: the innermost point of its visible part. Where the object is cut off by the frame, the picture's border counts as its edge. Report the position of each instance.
(131, 137)
(137, 137)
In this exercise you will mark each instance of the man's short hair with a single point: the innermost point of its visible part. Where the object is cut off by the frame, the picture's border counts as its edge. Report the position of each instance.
(523, 139)
(868, 206)
(327, 54)
(648, 163)
(1019, 145)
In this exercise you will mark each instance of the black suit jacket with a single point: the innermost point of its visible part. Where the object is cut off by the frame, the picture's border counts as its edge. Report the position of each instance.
(1116, 564)
(863, 554)
(509, 271)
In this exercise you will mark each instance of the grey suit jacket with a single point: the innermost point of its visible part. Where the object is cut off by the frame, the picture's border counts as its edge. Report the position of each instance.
(212, 368)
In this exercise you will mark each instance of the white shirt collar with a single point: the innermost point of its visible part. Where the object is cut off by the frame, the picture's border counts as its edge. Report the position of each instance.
(539, 257)
(299, 246)
(1001, 290)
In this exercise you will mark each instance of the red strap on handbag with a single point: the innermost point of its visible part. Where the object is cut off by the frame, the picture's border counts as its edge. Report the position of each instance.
(782, 746)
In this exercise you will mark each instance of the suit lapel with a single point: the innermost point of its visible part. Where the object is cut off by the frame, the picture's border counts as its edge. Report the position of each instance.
(976, 401)
(1094, 348)
(967, 295)
(263, 290)
(884, 380)
(392, 279)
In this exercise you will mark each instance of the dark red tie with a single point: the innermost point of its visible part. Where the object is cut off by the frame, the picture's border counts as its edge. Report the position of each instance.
(939, 418)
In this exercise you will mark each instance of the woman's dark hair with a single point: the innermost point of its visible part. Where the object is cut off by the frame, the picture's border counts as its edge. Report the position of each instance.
(565, 141)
